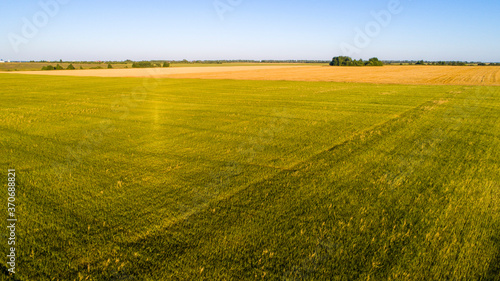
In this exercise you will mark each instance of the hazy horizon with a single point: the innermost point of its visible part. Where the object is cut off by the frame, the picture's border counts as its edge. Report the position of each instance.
(233, 60)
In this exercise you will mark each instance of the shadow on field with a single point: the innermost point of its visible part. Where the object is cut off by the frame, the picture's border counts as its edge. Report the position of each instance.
(494, 268)
(8, 275)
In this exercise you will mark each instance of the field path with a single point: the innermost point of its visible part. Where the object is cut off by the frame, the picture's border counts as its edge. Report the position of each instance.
(415, 75)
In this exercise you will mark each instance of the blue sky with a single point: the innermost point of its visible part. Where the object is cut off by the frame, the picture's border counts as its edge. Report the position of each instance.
(248, 29)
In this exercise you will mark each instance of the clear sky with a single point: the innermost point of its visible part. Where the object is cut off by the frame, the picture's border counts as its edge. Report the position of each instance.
(248, 29)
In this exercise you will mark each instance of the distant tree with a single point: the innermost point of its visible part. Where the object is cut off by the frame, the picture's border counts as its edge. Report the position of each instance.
(70, 67)
(341, 61)
(166, 64)
(374, 62)
(81, 67)
(420, 62)
(457, 63)
(60, 60)
(58, 67)
(48, 67)
(142, 64)
(347, 61)
(109, 65)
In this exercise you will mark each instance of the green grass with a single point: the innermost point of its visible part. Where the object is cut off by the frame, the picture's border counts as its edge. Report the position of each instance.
(143, 179)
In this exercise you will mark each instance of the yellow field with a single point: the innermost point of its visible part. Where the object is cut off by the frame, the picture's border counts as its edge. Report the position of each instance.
(422, 75)
(158, 72)
(428, 75)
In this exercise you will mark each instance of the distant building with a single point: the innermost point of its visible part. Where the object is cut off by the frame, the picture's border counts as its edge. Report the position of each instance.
(1, 61)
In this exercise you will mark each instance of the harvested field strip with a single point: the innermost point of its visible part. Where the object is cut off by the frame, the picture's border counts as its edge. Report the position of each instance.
(418, 75)
(156, 72)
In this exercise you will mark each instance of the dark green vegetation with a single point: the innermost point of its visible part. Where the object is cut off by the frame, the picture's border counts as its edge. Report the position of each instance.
(454, 63)
(347, 61)
(489, 64)
(57, 67)
(48, 67)
(143, 179)
(149, 64)
(142, 64)
(451, 63)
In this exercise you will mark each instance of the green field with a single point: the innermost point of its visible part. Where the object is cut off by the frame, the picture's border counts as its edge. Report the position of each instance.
(144, 179)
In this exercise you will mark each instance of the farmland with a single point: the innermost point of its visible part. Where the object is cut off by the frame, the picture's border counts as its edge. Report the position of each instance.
(37, 66)
(421, 75)
(34, 66)
(146, 178)
(416, 75)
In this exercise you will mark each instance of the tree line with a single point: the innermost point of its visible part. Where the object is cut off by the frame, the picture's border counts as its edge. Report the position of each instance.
(348, 61)
(149, 64)
(69, 67)
(452, 63)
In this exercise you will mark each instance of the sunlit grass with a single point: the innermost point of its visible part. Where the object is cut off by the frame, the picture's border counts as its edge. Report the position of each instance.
(132, 179)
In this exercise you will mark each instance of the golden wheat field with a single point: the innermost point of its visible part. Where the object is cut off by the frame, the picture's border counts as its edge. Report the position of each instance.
(158, 72)
(406, 74)
(427, 75)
